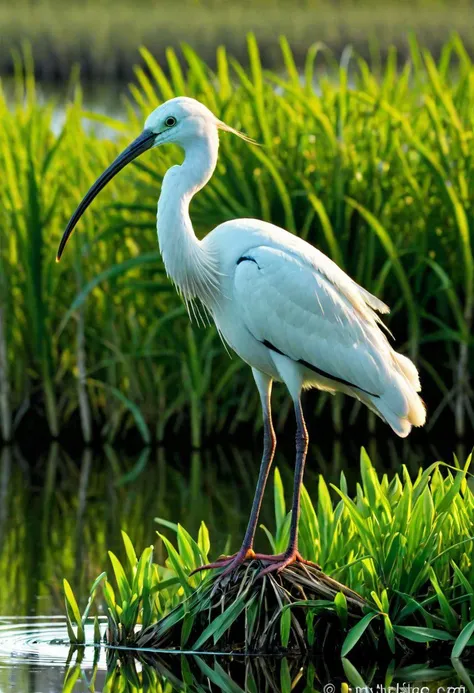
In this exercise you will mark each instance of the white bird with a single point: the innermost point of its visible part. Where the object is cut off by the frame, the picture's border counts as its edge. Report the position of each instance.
(284, 307)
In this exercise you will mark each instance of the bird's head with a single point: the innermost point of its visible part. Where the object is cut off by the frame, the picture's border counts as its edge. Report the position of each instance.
(179, 121)
(182, 119)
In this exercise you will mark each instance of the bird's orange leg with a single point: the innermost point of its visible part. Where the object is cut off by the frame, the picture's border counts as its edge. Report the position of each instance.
(292, 555)
(246, 552)
(277, 562)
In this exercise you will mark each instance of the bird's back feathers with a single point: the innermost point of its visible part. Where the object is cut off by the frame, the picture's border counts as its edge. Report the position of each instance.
(299, 302)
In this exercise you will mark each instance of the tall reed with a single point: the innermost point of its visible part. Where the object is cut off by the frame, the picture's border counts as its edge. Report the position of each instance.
(375, 167)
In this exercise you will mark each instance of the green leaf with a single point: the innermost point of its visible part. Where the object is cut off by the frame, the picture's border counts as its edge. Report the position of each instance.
(285, 627)
(122, 582)
(71, 678)
(71, 602)
(203, 540)
(448, 613)
(285, 676)
(131, 406)
(389, 246)
(340, 602)
(445, 502)
(70, 629)
(420, 634)
(279, 500)
(389, 632)
(462, 640)
(138, 584)
(353, 675)
(356, 632)
(189, 549)
(130, 551)
(218, 676)
(95, 584)
(165, 584)
(73, 609)
(177, 564)
(110, 273)
(186, 628)
(220, 624)
(97, 635)
(110, 597)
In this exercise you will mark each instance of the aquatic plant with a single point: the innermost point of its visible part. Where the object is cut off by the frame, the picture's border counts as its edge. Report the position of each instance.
(373, 167)
(404, 546)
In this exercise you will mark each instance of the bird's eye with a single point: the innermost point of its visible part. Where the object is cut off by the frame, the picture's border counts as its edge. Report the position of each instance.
(170, 121)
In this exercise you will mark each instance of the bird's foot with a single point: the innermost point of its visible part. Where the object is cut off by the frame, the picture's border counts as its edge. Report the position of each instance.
(230, 563)
(276, 563)
(282, 560)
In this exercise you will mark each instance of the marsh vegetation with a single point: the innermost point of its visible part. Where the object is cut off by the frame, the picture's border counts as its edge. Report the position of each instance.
(375, 171)
(401, 548)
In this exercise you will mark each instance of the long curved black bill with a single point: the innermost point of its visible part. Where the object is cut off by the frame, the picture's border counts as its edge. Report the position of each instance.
(138, 146)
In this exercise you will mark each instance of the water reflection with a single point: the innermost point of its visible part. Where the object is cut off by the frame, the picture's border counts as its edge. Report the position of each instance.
(276, 675)
(43, 663)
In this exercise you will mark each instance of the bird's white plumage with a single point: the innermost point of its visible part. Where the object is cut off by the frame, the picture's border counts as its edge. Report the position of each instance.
(290, 295)
(287, 310)
(319, 326)
(288, 303)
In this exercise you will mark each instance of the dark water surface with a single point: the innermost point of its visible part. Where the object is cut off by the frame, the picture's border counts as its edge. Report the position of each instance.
(35, 657)
(60, 513)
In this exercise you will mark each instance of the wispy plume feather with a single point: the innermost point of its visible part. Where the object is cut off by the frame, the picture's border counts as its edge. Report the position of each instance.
(227, 128)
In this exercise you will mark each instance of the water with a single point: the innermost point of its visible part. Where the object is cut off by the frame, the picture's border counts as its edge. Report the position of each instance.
(34, 654)
(35, 657)
(60, 512)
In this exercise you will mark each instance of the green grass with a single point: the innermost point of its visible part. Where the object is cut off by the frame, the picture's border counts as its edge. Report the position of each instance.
(405, 546)
(375, 168)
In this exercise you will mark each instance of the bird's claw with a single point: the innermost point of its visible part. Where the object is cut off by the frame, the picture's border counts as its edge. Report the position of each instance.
(276, 563)
(230, 563)
(282, 560)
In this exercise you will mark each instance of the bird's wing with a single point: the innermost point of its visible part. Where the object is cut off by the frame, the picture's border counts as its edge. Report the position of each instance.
(287, 303)
(314, 258)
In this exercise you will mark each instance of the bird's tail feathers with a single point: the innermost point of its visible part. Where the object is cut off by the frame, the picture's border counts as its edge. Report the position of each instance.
(400, 405)
(409, 370)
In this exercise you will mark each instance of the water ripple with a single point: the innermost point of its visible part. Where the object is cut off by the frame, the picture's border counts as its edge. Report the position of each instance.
(41, 641)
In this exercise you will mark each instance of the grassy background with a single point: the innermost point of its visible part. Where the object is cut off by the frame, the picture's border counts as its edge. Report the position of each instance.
(376, 170)
(103, 36)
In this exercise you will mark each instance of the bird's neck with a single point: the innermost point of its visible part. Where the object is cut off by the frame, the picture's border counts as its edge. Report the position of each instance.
(190, 266)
